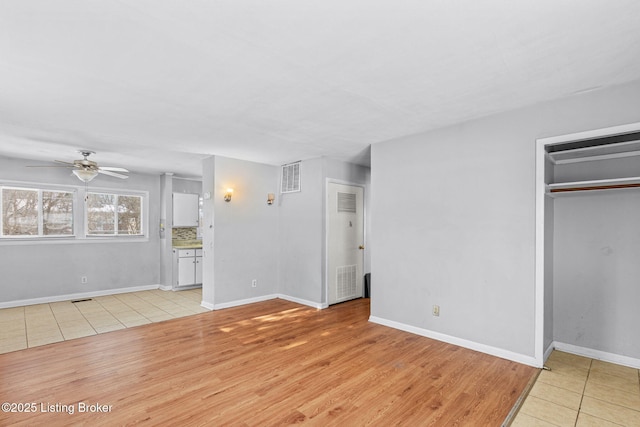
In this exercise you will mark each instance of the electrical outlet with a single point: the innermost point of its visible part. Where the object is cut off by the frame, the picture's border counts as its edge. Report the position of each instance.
(83, 279)
(254, 283)
(436, 310)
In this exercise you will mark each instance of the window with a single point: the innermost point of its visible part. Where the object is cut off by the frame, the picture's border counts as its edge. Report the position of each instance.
(114, 214)
(34, 212)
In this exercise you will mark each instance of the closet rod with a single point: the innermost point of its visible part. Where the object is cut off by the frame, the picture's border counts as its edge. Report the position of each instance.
(595, 187)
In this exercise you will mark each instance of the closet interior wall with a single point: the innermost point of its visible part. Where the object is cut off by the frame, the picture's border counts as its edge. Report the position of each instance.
(596, 260)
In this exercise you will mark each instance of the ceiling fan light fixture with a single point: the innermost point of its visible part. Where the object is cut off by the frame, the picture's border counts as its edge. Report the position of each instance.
(85, 175)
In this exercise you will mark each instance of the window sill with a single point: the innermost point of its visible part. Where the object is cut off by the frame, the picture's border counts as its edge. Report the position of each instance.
(71, 240)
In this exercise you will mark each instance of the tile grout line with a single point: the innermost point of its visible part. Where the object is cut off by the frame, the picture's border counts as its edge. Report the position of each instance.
(105, 309)
(584, 388)
(133, 308)
(603, 400)
(81, 314)
(114, 315)
(24, 317)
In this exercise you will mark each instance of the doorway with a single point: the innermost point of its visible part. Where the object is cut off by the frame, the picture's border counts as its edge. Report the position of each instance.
(345, 242)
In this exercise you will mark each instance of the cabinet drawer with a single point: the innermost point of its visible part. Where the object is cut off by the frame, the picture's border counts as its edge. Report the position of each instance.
(184, 253)
(198, 252)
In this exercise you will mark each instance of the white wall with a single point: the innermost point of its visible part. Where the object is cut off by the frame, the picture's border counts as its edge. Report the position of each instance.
(459, 230)
(51, 269)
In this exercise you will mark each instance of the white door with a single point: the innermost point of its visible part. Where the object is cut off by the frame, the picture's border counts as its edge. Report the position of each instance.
(345, 241)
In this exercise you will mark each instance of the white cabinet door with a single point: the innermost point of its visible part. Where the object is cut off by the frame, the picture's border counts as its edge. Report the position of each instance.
(186, 271)
(185, 209)
(198, 270)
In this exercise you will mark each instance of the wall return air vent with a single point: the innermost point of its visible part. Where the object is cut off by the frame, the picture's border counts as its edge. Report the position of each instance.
(347, 202)
(290, 178)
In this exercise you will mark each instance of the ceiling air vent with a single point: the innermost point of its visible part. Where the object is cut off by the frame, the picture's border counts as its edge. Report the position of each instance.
(290, 178)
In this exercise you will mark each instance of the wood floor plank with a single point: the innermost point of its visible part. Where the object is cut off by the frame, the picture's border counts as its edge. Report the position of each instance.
(270, 363)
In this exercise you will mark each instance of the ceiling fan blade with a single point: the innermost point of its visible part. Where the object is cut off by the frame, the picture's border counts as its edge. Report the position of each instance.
(49, 166)
(112, 169)
(117, 175)
(64, 163)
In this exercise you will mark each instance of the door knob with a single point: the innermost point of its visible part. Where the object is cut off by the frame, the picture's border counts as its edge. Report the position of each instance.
(361, 247)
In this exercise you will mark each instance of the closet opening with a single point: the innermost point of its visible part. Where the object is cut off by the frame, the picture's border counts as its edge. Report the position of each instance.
(588, 244)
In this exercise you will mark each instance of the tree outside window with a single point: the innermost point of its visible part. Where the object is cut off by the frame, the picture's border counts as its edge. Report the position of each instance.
(114, 214)
(36, 212)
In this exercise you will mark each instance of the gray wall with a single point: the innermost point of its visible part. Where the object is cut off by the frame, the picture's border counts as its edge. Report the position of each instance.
(281, 246)
(164, 231)
(302, 219)
(301, 246)
(454, 219)
(245, 235)
(208, 186)
(596, 268)
(50, 269)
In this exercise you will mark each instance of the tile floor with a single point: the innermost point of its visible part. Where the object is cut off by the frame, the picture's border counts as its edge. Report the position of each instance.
(582, 392)
(34, 325)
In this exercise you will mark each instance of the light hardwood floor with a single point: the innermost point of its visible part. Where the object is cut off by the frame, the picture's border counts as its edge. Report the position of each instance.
(270, 363)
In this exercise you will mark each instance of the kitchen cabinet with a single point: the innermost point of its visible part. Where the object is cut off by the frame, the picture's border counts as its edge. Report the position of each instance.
(187, 267)
(186, 207)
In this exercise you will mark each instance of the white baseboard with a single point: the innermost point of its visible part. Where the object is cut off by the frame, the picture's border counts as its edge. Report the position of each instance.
(76, 296)
(207, 305)
(547, 352)
(597, 354)
(237, 303)
(472, 345)
(316, 305)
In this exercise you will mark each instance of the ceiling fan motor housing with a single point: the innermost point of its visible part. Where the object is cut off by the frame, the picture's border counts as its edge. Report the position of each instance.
(85, 164)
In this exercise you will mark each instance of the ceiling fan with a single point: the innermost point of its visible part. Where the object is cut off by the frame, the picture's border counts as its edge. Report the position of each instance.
(86, 169)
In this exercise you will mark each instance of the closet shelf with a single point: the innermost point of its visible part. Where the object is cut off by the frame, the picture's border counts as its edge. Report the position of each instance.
(601, 184)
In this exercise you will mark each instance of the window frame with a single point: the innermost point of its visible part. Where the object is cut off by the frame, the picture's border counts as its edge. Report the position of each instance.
(144, 215)
(40, 189)
(79, 235)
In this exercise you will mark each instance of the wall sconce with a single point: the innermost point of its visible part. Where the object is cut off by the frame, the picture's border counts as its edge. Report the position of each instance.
(228, 194)
(270, 198)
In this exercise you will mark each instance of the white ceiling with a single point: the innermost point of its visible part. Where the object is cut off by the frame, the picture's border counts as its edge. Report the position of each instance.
(156, 85)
